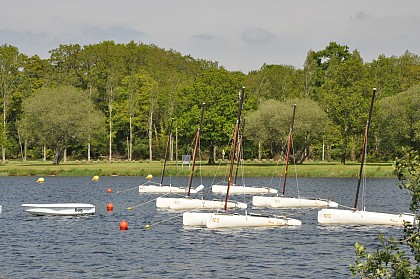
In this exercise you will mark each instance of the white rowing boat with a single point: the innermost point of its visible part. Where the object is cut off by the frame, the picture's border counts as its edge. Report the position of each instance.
(64, 209)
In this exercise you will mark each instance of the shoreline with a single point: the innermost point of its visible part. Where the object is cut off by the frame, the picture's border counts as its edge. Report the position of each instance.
(144, 168)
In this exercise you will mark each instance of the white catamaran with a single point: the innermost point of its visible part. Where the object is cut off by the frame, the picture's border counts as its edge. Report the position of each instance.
(228, 220)
(151, 188)
(241, 189)
(189, 203)
(355, 216)
(281, 201)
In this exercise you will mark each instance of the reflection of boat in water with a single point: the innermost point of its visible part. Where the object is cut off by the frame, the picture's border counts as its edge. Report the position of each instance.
(65, 209)
(361, 217)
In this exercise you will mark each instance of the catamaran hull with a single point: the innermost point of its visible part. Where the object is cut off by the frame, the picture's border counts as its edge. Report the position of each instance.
(217, 221)
(340, 216)
(153, 189)
(195, 219)
(65, 209)
(222, 189)
(287, 202)
(198, 204)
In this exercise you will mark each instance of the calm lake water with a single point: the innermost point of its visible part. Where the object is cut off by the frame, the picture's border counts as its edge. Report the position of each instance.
(94, 246)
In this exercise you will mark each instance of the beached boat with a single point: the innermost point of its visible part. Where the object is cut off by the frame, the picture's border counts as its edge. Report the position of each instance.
(65, 209)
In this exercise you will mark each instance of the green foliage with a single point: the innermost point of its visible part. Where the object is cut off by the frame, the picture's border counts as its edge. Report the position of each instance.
(398, 122)
(58, 117)
(219, 89)
(396, 258)
(270, 125)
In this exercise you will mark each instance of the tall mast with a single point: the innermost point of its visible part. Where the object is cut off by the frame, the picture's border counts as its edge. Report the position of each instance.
(240, 147)
(235, 139)
(197, 139)
(289, 142)
(166, 152)
(364, 148)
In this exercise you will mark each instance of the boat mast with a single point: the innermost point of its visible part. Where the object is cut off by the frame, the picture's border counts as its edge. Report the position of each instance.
(364, 148)
(240, 146)
(197, 139)
(289, 141)
(235, 139)
(166, 152)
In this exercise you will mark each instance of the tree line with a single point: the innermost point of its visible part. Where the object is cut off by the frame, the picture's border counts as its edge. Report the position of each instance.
(116, 101)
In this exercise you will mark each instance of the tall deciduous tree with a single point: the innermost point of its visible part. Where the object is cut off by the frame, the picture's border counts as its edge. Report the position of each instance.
(398, 122)
(219, 89)
(56, 117)
(269, 126)
(343, 89)
(10, 63)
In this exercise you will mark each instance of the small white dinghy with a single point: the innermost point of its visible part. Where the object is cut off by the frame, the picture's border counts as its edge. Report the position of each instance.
(237, 189)
(64, 209)
(290, 202)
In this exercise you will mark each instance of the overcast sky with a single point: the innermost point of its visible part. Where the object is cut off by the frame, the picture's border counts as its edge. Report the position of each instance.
(239, 34)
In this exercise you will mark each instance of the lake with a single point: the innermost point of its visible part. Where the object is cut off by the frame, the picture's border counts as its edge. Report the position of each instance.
(95, 247)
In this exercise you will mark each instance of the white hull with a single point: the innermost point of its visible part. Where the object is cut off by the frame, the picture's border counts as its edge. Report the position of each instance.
(195, 219)
(67, 209)
(288, 202)
(347, 217)
(199, 204)
(155, 189)
(0, 208)
(221, 220)
(234, 189)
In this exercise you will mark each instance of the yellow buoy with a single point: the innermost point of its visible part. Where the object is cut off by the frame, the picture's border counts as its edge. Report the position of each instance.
(95, 178)
(40, 180)
(129, 208)
(149, 177)
(147, 226)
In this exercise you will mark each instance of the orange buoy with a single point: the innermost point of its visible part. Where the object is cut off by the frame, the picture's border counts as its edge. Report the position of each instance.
(109, 190)
(110, 206)
(124, 225)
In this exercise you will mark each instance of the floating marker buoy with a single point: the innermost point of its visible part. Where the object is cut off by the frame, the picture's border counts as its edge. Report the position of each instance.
(147, 227)
(110, 206)
(149, 177)
(95, 178)
(40, 180)
(129, 208)
(124, 225)
(109, 190)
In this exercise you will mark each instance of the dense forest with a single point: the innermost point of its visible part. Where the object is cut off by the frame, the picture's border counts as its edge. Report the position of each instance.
(111, 101)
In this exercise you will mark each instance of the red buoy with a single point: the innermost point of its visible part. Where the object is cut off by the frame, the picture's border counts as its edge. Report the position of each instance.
(123, 225)
(110, 206)
(109, 190)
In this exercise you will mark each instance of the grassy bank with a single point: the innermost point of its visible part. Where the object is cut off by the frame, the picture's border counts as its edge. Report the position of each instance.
(122, 168)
